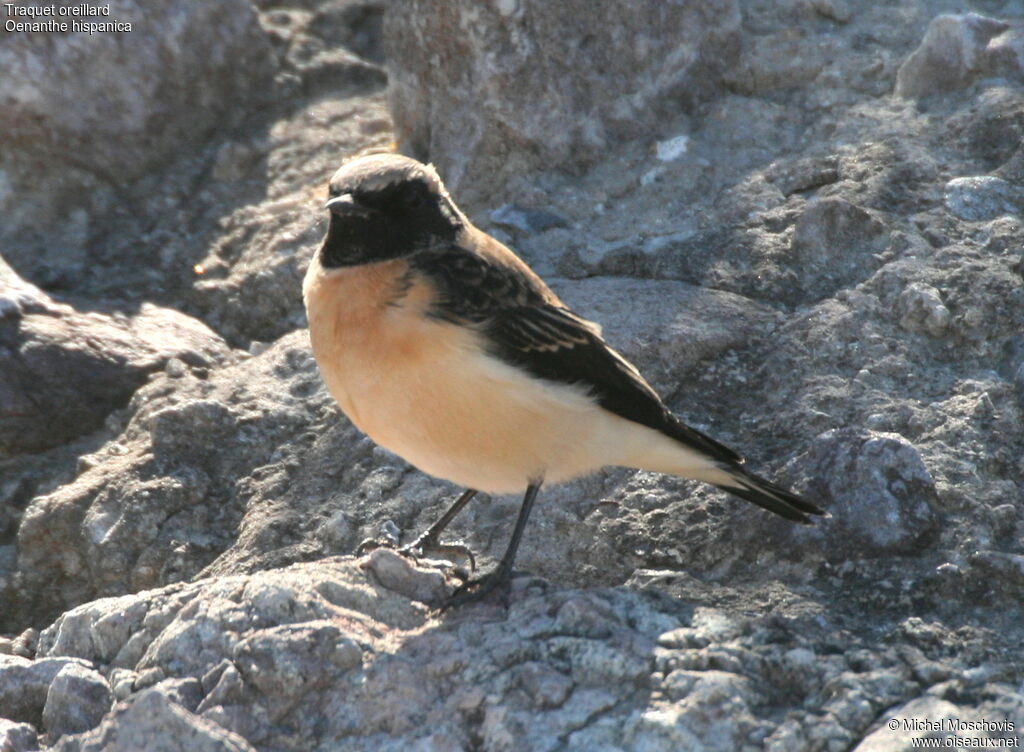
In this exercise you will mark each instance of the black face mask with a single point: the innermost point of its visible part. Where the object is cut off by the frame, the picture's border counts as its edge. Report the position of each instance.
(393, 222)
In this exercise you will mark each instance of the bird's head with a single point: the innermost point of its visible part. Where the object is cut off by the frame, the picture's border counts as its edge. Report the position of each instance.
(386, 206)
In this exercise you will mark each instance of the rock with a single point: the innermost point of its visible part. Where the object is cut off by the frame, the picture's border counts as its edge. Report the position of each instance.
(526, 220)
(152, 722)
(991, 130)
(323, 655)
(76, 700)
(952, 54)
(710, 712)
(837, 10)
(395, 572)
(18, 297)
(803, 174)
(1004, 54)
(998, 566)
(934, 718)
(694, 325)
(17, 737)
(330, 46)
(785, 58)
(142, 513)
(920, 308)
(26, 643)
(24, 685)
(474, 112)
(62, 372)
(146, 514)
(672, 149)
(985, 197)
(180, 74)
(250, 287)
(880, 495)
(833, 245)
(257, 269)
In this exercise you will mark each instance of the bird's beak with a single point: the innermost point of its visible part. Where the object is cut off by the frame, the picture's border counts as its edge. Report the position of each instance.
(343, 205)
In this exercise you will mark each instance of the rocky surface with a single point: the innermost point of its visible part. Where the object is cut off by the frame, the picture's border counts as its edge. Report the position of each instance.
(142, 98)
(524, 84)
(800, 219)
(63, 371)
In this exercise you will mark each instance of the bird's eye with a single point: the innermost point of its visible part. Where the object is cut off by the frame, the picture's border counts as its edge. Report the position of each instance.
(414, 200)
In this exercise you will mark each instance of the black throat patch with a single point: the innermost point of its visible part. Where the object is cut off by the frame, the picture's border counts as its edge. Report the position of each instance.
(396, 221)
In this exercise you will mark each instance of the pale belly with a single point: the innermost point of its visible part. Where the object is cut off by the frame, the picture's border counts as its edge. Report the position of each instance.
(460, 415)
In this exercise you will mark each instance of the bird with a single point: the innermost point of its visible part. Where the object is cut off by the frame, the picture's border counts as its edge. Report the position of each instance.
(444, 347)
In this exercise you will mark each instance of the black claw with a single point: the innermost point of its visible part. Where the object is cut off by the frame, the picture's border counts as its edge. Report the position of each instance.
(369, 544)
(480, 588)
(419, 549)
(455, 549)
(426, 544)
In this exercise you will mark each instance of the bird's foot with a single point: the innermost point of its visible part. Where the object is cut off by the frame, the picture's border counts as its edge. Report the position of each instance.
(428, 544)
(388, 534)
(479, 588)
(419, 548)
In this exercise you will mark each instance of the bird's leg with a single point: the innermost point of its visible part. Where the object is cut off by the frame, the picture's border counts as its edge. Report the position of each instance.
(476, 589)
(429, 539)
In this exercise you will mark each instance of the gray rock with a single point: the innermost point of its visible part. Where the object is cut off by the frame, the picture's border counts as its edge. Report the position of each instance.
(17, 737)
(803, 174)
(250, 287)
(833, 245)
(952, 54)
(396, 573)
(669, 329)
(781, 59)
(286, 663)
(920, 308)
(24, 685)
(837, 10)
(152, 722)
(932, 717)
(985, 197)
(257, 268)
(329, 45)
(526, 220)
(992, 130)
(145, 516)
(122, 682)
(25, 644)
(62, 371)
(138, 524)
(476, 113)
(1004, 53)
(141, 98)
(323, 655)
(18, 297)
(999, 567)
(76, 701)
(880, 495)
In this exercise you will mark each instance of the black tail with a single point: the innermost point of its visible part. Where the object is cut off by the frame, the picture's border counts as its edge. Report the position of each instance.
(767, 495)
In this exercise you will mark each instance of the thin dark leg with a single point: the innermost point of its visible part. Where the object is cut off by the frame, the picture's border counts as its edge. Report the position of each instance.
(432, 533)
(517, 533)
(428, 540)
(478, 588)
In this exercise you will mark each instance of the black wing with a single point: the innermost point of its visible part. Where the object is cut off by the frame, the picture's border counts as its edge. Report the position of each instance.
(526, 328)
